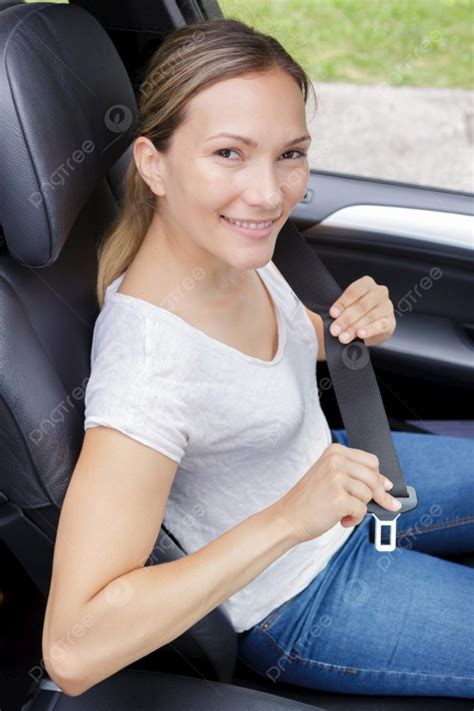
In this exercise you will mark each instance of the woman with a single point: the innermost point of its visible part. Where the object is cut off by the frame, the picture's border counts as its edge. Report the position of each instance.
(203, 352)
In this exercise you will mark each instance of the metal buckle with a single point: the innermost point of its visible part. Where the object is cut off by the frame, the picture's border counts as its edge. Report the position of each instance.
(388, 519)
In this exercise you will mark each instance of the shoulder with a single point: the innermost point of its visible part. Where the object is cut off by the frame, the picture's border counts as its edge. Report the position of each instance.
(136, 384)
(119, 333)
(139, 343)
(134, 356)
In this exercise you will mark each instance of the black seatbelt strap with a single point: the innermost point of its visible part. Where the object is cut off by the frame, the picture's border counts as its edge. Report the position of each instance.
(355, 386)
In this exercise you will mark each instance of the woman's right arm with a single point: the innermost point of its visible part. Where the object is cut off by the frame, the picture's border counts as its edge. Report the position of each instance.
(105, 609)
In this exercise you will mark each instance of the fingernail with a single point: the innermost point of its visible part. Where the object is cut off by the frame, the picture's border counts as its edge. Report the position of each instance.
(387, 483)
(396, 504)
(335, 329)
(335, 311)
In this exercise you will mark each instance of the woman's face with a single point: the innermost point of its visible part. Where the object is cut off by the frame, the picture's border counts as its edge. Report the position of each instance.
(204, 177)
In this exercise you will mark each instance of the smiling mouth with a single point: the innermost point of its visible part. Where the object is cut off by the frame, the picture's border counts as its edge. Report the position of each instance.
(259, 224)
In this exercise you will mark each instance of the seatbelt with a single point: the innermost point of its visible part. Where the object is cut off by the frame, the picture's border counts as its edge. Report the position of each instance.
(357, 392)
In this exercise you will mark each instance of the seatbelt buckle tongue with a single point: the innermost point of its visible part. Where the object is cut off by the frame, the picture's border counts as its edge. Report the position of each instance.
(388, 519)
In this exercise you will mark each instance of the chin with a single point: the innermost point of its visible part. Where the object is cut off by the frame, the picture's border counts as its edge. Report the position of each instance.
(254, 261)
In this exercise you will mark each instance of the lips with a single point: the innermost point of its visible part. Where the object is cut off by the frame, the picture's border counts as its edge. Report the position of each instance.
(249, 221)
(253, 233)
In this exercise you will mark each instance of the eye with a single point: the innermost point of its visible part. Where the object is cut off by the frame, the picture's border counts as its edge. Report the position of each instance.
(301, 154)
(225, 150)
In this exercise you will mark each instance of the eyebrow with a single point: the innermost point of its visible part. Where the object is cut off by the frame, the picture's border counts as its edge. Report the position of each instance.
(249, 141)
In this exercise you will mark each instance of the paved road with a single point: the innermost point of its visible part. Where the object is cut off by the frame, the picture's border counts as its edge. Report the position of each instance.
(409, 134)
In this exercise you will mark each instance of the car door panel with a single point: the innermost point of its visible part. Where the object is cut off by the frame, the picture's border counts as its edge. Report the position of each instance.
(418, 242)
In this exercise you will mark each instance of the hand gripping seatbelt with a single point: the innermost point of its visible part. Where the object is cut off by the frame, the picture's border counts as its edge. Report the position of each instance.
(357, 392)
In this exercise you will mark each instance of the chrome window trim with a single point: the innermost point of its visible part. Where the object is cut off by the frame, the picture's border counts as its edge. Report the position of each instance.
(429, 225)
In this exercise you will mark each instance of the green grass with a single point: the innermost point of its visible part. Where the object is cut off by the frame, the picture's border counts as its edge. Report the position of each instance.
(397, 42)
(393, 42)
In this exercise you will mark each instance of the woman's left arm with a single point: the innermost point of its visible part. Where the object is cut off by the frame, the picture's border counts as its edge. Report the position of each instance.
(364, 310)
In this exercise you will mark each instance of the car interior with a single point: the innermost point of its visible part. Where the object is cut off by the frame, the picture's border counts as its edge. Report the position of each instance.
(70, 74)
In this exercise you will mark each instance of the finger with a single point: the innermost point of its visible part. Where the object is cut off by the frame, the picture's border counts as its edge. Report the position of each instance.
(357, 511)
(364, 483)
(381, 323)
(375, 298)
(380, 320)
(357, 455)
(384, 325)
(353, 292)
(348, 521)
(372, 480)
(360, 490)
(357, 488)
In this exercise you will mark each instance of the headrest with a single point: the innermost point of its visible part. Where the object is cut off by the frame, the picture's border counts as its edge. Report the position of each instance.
(7, 3)
(68, 113)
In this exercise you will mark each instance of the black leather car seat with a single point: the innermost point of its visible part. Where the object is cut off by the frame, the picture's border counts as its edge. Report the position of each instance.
(68, 113)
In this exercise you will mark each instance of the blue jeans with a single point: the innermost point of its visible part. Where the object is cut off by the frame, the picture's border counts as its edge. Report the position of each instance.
(387, 623)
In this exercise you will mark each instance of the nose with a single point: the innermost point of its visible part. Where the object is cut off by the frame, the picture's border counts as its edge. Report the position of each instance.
(264, 189)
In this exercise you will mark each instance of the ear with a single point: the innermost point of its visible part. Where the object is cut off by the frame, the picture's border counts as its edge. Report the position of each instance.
(150, 164)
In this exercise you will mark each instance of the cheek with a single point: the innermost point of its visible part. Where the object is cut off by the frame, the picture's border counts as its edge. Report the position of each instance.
(214, 190)
(211, 187)
(296, 183)
(208, 173)
(203, 192)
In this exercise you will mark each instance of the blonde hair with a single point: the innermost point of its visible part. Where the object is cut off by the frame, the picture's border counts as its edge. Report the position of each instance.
(190, 59)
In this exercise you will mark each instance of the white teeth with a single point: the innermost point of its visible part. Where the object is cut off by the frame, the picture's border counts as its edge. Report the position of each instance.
(250, 225)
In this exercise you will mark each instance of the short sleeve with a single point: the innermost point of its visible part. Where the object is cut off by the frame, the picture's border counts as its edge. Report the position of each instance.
(125, 393)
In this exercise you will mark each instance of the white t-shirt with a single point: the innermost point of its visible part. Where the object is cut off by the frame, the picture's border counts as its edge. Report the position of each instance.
(243, 430)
